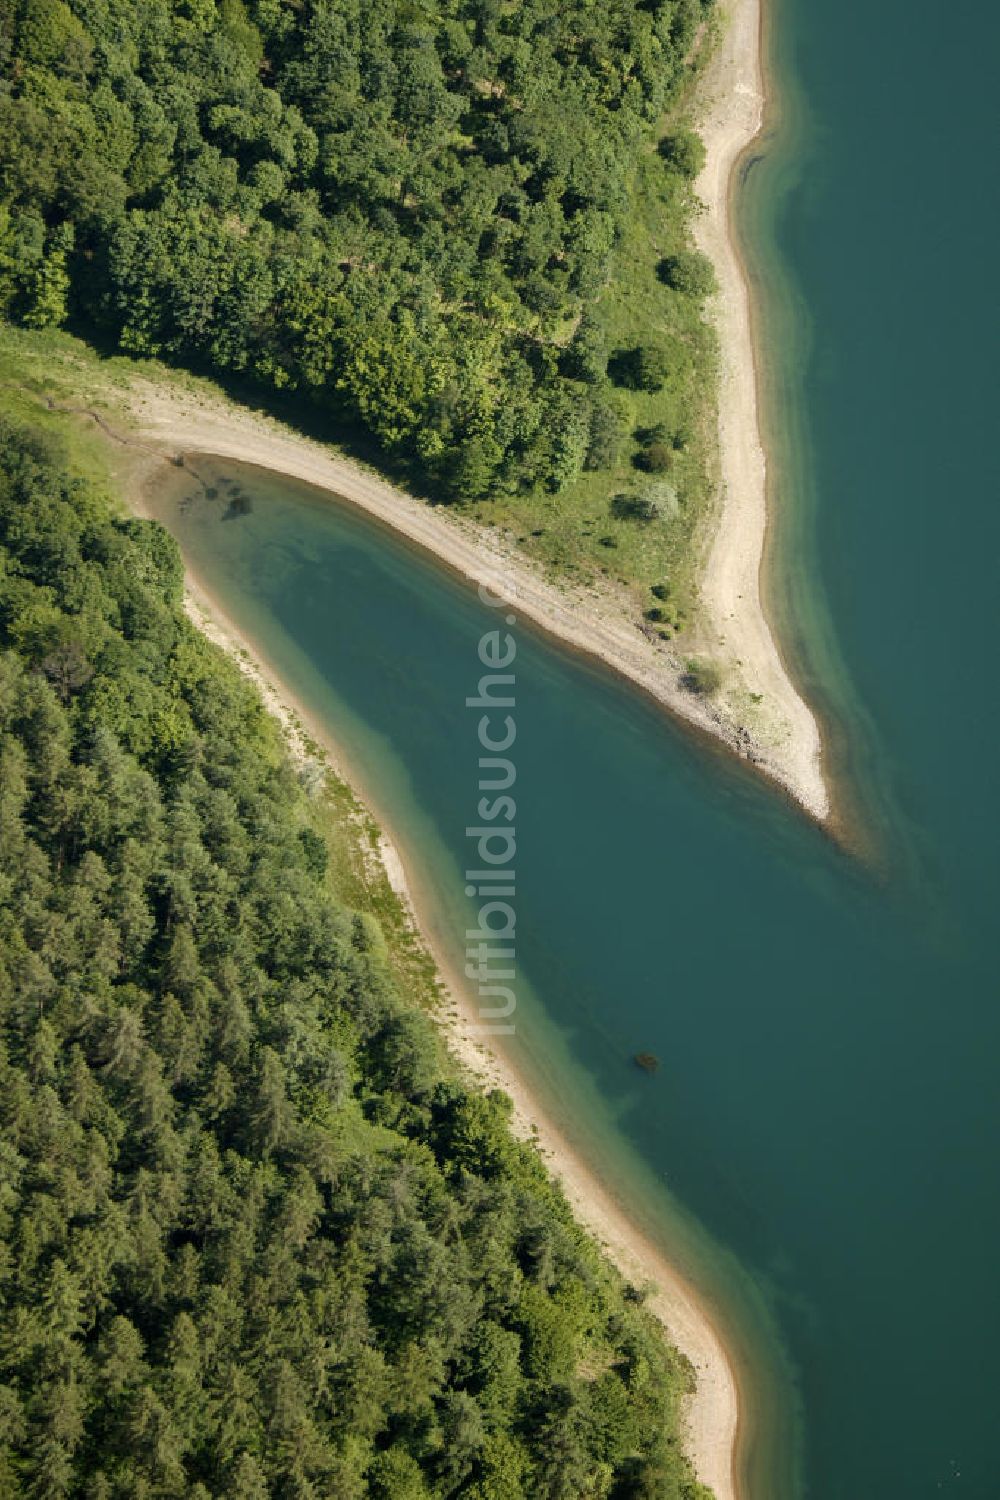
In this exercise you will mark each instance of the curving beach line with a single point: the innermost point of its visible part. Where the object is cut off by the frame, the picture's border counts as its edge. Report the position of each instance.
(776, 736)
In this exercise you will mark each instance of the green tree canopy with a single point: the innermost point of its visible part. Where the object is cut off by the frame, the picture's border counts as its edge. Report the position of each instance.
(399, 211)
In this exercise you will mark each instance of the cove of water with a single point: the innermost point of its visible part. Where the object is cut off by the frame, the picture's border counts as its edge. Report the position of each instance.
(819, 1145)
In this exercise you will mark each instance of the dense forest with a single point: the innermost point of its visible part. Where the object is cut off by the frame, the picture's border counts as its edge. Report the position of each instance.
(259, 1239)
(402, 209)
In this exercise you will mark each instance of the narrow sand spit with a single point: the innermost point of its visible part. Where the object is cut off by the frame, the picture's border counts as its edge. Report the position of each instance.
(712, 1411)
(734, 623)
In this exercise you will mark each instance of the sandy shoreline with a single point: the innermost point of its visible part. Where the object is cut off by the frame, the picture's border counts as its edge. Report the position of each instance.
(731, 119)
(711, 1415)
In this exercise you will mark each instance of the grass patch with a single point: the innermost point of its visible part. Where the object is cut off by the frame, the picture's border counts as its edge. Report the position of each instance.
(580, 537)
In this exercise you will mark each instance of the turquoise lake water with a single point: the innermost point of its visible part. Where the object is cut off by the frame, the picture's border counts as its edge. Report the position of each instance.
(820, 1143)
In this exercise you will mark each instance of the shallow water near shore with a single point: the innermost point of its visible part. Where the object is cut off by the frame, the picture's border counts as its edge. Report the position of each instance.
(818, 1147)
